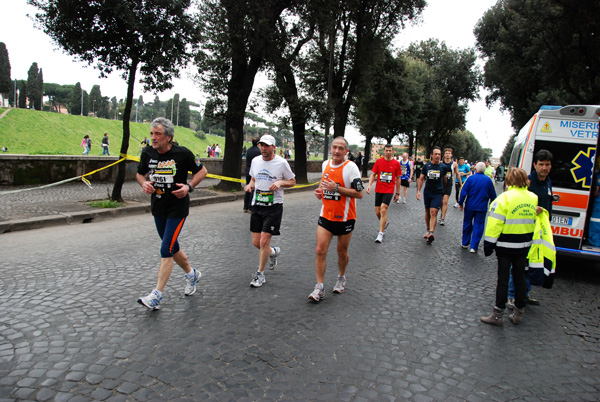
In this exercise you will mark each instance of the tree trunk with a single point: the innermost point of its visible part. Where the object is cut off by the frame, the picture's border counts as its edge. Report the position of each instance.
(116, 193)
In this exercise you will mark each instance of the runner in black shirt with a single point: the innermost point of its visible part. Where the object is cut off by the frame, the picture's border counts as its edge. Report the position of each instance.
(163, 172)
(435, 172)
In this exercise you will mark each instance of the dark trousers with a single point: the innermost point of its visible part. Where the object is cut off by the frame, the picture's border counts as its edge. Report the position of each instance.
(248, 196)
(518, 270)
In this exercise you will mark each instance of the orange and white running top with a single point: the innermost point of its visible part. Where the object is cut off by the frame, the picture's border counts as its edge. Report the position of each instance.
(336, 207)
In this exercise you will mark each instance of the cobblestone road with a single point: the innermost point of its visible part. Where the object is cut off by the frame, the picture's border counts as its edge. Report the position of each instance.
(407, 327)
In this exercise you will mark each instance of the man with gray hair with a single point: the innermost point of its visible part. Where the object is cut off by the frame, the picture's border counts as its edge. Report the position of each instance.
(163, 172)
(478, 190)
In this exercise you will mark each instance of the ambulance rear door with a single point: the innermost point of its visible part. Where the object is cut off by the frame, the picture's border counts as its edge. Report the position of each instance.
(571, 135)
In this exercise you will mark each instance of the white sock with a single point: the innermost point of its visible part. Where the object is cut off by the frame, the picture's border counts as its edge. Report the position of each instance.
(320, 285)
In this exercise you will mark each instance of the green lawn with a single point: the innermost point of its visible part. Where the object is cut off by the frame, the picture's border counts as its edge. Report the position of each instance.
(25, 131)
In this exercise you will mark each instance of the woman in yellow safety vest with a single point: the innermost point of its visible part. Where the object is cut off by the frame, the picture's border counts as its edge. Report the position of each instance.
(509, 231)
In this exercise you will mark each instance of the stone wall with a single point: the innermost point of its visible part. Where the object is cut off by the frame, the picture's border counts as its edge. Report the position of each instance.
(44, 169)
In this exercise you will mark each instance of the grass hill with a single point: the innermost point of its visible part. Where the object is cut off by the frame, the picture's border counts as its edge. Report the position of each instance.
(25, 131)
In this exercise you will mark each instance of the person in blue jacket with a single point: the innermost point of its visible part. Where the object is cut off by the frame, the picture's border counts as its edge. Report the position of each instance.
(478, 190)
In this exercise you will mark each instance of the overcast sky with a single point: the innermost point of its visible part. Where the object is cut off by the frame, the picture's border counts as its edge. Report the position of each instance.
(449, 21)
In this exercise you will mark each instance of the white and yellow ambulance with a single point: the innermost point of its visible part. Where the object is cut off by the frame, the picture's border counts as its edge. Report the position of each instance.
(571, 134)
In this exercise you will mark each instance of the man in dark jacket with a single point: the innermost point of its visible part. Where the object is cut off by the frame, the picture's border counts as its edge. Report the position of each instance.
(251, 153)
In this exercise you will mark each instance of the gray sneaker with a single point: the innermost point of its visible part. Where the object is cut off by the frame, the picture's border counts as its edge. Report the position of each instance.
(190, 282)
(259, 279)
(152, 301)
(273, 258)
(340, 285)
(317, 294)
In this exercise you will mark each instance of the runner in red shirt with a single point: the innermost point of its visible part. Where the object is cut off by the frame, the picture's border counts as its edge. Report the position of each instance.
(388, 172)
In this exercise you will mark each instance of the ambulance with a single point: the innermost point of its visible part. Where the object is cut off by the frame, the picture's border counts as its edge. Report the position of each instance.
(571, 134)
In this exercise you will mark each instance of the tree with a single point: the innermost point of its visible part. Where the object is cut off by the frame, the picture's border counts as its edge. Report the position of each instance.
(35, 87)
(76, 100)
(22, 89)
(184, 113)
(6, 84)
(58, 95)
(551, 47)
(350, 34)
(235, 38)
(151, 36)
(455, 80)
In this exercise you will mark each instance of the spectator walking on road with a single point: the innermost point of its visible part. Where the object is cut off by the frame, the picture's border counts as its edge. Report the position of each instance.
(163, 172)
(105, 145)
(270, 175)
(387, 189)
(464, 171)
(509, 231)
(435, 174)
(251, 153)
(478, 191)
(339, 187)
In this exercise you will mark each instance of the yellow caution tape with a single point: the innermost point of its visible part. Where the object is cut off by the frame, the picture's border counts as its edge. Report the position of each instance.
(136, 159)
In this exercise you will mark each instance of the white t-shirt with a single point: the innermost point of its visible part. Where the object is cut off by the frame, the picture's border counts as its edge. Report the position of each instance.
(265, 173)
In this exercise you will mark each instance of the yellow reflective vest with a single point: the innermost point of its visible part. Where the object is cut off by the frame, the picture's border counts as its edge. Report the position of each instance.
(511, 221)
(542, 254)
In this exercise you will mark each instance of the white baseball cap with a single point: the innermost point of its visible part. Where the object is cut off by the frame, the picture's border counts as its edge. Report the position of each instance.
(267, 139)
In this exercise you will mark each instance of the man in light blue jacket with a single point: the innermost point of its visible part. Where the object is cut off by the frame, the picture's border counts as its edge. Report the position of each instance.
(478, 190)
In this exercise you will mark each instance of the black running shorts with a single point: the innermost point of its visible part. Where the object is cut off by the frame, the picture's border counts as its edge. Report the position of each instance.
(266, 219)
(337, 228)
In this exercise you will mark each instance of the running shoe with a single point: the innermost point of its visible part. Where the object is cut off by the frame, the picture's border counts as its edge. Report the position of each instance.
(426, 235)
(273, 258)
(317, 294)
(152, 301)
(340, 285)
(442, 222)
(465, 246)
(404, 200)
(379, 238)
(259, 279)
(456, 205)
(190, 282)
(473, 251)
(430, 239)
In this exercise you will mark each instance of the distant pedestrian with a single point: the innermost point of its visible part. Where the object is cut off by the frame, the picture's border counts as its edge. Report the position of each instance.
(4, 149)
(478, 191)
(86, 144)
(359, 161)
(509, 231)
(418, 167)
(163, 172)
(217, 151)
(251, 153)
(105, 145)
(208, 151)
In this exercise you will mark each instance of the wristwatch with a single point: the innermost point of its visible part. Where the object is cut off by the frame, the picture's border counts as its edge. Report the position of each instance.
(337, 186)
(190, 187)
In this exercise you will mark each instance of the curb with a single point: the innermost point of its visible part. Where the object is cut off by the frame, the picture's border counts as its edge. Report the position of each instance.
(99, 215)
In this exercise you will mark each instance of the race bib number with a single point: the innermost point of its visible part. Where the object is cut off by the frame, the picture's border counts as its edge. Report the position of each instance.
(264, 198)
(433, 174)
(449, 175)
(162, 178)
(385, 177)
(331, 195)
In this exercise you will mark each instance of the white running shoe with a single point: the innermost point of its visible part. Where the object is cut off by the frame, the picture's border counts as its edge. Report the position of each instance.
(340, 285)
(473, 251)
(456, 205)
(273, 258)
(190, 282)
(379, 238)
(404, 200)
(152, 301)
(317, 294)
(259, 280)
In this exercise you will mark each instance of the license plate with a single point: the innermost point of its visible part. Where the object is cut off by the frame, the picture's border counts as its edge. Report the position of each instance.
(562, 220)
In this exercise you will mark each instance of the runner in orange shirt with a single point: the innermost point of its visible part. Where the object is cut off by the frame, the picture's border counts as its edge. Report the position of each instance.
(340, 186)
